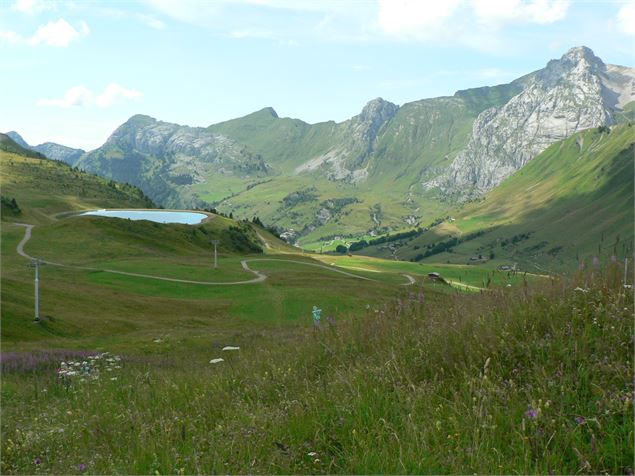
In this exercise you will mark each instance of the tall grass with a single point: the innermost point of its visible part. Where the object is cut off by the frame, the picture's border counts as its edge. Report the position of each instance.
(534, 380)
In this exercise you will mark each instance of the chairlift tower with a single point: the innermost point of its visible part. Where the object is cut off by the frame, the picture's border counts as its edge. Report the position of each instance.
(215, 243)
(36, 263)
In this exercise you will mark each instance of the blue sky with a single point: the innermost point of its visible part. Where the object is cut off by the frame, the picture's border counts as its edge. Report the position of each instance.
(72, 71)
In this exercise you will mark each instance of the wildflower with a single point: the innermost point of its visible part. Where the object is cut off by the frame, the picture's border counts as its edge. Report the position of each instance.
(230, 347)
(579, 289)
(113, 378)
(216, 361)
(312, 454)
(580, 420)
(532, 414)
(81, 467)
(37, 461)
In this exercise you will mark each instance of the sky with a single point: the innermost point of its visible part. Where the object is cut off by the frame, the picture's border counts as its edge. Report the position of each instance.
(72, 71)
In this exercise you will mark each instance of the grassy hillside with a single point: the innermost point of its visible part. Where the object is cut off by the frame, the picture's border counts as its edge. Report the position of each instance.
(284, 142)
(572, 202)
(43, 188)
(8, 145)
(536, 381)
(91, 253)
(121, 375)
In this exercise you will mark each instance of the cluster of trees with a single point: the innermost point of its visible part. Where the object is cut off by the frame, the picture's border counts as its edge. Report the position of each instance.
(604, 129)
(270, 228)
(516, 238)
(358, 245)
(216, 212)
(10, 205)
(242, 239)
(447, 245)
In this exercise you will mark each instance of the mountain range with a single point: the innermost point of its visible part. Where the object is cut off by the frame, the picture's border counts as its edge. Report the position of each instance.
(388, 168)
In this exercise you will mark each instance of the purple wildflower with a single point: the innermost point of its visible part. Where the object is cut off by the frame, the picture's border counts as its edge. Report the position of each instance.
(37, 461)
(580, 420)
(532, 414)
(82, 467)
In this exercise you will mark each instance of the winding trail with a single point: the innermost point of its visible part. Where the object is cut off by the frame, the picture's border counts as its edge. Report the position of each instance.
(27, 236)
(410, 279)
(260, 277)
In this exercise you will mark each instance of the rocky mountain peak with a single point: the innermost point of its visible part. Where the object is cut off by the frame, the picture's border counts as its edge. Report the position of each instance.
(580, 53)
(375, 114)
(579, 64)
(17, 138)
(576, 92)
(271, 111)
(378, 110)
(140, 120)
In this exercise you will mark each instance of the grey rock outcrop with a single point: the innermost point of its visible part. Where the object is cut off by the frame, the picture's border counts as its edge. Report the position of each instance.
(576, 92)
(166, 159)
(348, 160)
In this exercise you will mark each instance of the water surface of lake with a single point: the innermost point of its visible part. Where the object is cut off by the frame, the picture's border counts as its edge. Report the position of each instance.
(159, 216)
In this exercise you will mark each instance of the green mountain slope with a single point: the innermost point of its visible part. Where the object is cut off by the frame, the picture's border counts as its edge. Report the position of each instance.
(388, 168)
(360, 177)
(572, 202)
(43, 187)
(284, 142)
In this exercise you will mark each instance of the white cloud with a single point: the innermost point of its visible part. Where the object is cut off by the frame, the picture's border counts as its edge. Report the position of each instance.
(32, 7)
(527, 11)
(470, 22)
(626, 19)
(114, 93)
(75, 96)
(82, 96)
(414, 18)
(58, 33)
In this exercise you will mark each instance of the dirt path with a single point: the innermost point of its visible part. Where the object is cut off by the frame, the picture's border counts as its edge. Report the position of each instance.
(410, 279)
(260, 277)
(27, 236)
(317, 266)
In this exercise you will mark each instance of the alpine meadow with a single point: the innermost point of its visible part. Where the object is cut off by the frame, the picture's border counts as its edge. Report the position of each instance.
(438, 280)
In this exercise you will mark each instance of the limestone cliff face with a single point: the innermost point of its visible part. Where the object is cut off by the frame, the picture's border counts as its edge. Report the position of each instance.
(576, 92)
(165, 159)
(347, 160)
